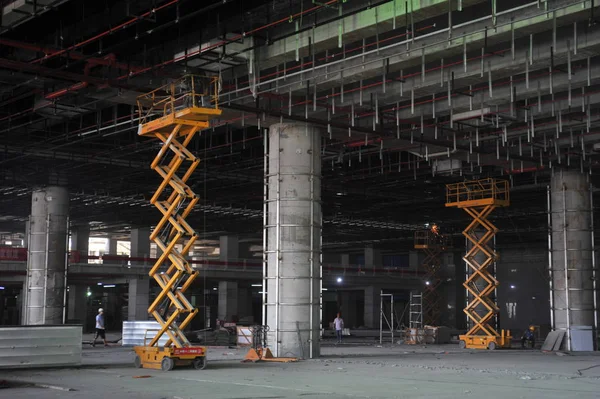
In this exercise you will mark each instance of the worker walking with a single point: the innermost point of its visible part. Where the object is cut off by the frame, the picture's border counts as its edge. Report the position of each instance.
(100, 328)
(338, 323)
(528, 336)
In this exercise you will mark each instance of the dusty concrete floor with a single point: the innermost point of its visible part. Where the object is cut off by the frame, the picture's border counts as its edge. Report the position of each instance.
(346, 371)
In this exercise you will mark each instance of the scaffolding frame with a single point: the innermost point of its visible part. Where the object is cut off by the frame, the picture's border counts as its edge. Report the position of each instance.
(433, 245)
(391, 323)
(416, 310)
(479, 198)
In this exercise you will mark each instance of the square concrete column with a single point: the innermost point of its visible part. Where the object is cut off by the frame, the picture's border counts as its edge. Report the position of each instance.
(229, 248)
(228, 300)
(77, 304)
(80, 241)
(112, 246)
(244, 302)
(139, 298)
(140, 245)
(349, 308)
(345, 260)
(372, 306)
(373, 258)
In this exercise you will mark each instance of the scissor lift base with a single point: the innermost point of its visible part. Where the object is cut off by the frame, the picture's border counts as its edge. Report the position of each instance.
(490, 342)
(166, 358)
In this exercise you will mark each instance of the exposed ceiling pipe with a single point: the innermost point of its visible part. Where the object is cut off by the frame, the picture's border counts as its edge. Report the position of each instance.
(108, 60)
(117, 28)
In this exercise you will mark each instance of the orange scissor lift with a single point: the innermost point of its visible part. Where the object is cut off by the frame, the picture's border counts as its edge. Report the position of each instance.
(173, 114)
(479, 198)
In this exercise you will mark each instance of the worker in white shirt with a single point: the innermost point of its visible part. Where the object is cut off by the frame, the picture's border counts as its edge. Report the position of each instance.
(338, 323)
(100, 328)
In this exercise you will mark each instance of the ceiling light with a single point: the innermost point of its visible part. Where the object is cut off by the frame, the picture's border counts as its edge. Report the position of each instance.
(512, 287)
(257, 285)
(109, 286)
(339, 280)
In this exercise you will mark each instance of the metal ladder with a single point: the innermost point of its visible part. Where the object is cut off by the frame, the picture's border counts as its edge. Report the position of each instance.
(416, 310)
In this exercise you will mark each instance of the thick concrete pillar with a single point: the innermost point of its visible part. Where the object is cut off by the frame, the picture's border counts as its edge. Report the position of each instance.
(228, 300)
(345, 260)
(229, 248)
(80, 241)
(77, 304)
(140, 245)
(572, 287)
(244, 302)
(373, 258)
(372, 306)
(47, 256)
(113, 246)
(349, 308)
(139, 298)
(293, 240)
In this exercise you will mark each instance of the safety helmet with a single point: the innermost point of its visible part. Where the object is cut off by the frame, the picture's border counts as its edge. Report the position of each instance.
(531, 328)
(100, 310)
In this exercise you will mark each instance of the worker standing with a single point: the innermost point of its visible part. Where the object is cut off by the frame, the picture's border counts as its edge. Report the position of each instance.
(100, 328)
(338, 323)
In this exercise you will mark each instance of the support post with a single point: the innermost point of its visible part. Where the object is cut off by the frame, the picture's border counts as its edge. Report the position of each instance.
(293, 240)
(46, 258)
(573, 289)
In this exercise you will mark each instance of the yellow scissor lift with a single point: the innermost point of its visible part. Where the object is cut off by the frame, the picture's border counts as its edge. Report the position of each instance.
(432, 245)
(479, 198)
(173, 114)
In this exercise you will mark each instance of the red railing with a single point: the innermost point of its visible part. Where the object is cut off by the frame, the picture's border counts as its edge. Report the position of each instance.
(75, 257)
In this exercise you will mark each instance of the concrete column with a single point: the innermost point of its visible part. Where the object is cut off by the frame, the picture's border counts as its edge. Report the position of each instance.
(228, 300)
(345, 260)
(293, 240)
(349, 308)
(372, 306)
(229, 248)
(140, 245)
(572, 285)
(372, 258)
(77, 304)
(47, 255)
(112, 246)
(244, 302)
(139, 298)
(80, 241)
